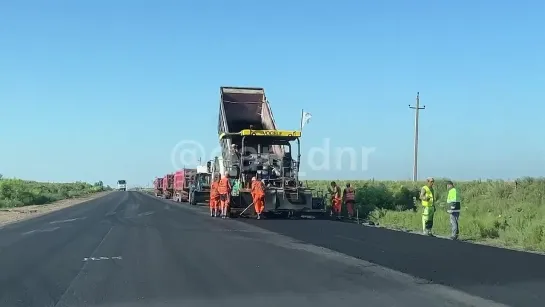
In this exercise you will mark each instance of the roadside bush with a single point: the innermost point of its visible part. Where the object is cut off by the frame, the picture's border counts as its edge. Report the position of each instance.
(493, 211)
(17, 192)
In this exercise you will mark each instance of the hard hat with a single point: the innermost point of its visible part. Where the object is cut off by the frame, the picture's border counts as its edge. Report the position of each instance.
(253, 179)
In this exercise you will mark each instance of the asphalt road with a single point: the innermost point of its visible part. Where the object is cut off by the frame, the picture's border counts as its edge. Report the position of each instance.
(130, 249)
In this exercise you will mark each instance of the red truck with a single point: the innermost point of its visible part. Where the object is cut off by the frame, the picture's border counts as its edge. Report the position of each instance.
(182, 181)
(158, 187)
(168, 186)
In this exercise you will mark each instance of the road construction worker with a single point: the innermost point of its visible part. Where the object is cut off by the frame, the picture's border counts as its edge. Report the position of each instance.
(427, 196)
(235, 154)
(453, 201)
(224, 190)
(349, 197)
(234, 149)
(214, 197)
(258, 196)
(336, 199)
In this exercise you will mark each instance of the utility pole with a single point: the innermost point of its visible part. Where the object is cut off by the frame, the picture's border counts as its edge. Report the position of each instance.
(417, 109)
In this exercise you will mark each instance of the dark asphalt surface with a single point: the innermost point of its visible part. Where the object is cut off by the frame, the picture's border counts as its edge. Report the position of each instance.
(131, 249)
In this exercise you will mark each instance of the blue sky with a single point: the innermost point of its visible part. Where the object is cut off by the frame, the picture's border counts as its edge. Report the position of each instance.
(103, 90)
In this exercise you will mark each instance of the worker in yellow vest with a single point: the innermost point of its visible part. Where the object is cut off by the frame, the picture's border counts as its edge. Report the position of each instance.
(453, 201)
(427, 196)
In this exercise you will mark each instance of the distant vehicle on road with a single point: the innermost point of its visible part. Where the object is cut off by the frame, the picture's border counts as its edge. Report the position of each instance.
(183, 179)
(158, 187)
(199, 190)
(121, 185)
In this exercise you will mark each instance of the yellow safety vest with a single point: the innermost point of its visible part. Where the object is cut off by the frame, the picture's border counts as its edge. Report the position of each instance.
(429, 194)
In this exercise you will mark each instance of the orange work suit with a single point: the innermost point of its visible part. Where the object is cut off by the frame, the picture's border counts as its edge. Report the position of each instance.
(336, 200)
(224, 190)
(258, 196)
(350, 199)
(214, 195)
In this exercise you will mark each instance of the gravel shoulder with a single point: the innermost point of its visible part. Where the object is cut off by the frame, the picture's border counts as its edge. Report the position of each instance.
(14, 215)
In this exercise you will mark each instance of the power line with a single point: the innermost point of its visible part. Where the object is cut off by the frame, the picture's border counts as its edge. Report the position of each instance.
(417, 109)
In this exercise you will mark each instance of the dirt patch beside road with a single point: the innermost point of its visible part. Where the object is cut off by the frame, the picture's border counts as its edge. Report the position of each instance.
(13, 215)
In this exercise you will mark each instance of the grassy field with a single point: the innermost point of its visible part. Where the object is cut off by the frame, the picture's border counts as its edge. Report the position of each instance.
(509, 214)
(17, 192)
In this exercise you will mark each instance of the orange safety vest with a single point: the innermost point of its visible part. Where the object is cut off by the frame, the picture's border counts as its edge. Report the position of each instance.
(349, 194)
(257, 188)
(214, 190)
(336, 192)
(224, 186)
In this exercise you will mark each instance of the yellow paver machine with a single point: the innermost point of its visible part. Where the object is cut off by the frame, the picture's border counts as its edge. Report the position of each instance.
(252, 146)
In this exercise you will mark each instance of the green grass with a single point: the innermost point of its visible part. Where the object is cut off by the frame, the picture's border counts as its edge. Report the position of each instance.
(18, 193)
(508, 214)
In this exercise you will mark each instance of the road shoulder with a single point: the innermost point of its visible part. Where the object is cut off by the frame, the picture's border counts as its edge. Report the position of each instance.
(10, 216)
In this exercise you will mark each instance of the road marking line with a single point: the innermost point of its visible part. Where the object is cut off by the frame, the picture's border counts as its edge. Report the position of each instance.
(40, 230)
(50, 229)
(102, 258)
(70, 287)
(66, 221)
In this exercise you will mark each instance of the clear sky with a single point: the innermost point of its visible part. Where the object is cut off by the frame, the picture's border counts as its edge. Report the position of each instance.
(104, 90)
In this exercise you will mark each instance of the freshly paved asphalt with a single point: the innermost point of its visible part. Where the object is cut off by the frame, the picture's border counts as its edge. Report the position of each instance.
(131, 249)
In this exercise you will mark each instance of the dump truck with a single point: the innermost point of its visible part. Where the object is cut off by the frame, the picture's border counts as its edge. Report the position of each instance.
(199, 192)
(252, 146)
(182, 181)
(168, 186)
(158, 187)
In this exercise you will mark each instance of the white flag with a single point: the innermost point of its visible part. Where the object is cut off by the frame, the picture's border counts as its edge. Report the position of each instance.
(305, 119)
